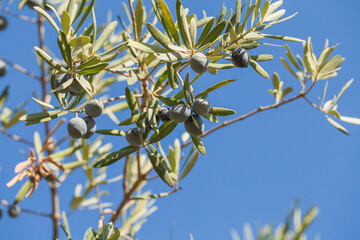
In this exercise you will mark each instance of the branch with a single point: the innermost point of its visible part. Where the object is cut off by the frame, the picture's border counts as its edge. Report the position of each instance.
(16, 138)
(302, 94)
(21, 69)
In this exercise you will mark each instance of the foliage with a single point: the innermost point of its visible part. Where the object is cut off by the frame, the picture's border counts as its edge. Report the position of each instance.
(151, 53)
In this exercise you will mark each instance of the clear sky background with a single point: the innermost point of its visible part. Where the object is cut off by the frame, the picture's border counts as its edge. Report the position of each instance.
(254, 169)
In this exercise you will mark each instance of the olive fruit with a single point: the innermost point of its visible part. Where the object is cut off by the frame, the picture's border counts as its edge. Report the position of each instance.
(180, 113)
(3, 23)
(75, 86)
(77, 127)
(34, 3)
(191, 127)
(240, 57)
(135, 136)
(14, 211)
(199, 64)
(2, 68)
(147, 125)
(164, 114)
(201, 107)
(60, 79)
(90, 126)
(94, 108)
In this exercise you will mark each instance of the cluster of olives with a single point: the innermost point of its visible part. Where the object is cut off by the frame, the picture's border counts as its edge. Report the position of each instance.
(85, 127)
(74, 88)
(179, 113)
(3, 25)
(240, 57)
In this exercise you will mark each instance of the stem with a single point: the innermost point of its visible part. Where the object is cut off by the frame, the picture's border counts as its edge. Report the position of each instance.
(133, 20)
(21, 69)
(16, 138)
(55, 215)
(122, 206)
(302, 94)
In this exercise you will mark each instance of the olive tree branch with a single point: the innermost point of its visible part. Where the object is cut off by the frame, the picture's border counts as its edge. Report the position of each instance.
(7, 204)
(16, 138)
(258, 110)
(21, 69)
(19, 16)
(55, 215)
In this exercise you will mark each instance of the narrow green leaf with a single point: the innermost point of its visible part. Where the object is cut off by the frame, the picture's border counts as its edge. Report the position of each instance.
(173, 56)
(167, 20)
(79, 41)
(84, 17)
(139, 17)
(148, 48)
(160, 166)
(90, 62)
(133, 119)
(22, 192)
(214, 34)
(94, 69)
(190, 165)
(169, 101)
(4, 96)
(350, 120)
(112, 157)
(262, 57)
(214, 87)
(205, 32)
(112, 132)
(105, 36)
(237, 12)
(199, 145)
(159, 36)
(13, 120)
(49, 60)
(284, 38)
(164, 130)
(48, 17)
(171, 76)
(65, 22)
(258, 69)
(337, 125)
(217, 111)
(44, 103)
(182, 24)
(79, 11)
(131, 101)
(334, 113)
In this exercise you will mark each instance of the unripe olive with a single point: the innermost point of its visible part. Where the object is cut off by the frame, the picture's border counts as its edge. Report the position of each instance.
(90, 126)
(135, 136)
(164, 114)
(75, 86)
(60, 79)
(147, 125)
(94, 108)
(3, 23)
(240, 57)
(14, 211)
(199, 64)
(3, 67)
(180, 113)
(201, 106)
(77, 127)
(191, 128)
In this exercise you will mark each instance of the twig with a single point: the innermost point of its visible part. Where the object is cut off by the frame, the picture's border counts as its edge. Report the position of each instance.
(133, 20)
(98, 196)
(16, 138)
(120, 97)
(19, 16)
(7, 204)
(117, 72)
(260, 109)
(21, 69)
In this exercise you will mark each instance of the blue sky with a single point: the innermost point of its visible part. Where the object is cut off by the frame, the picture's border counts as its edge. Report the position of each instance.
(254, 169)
